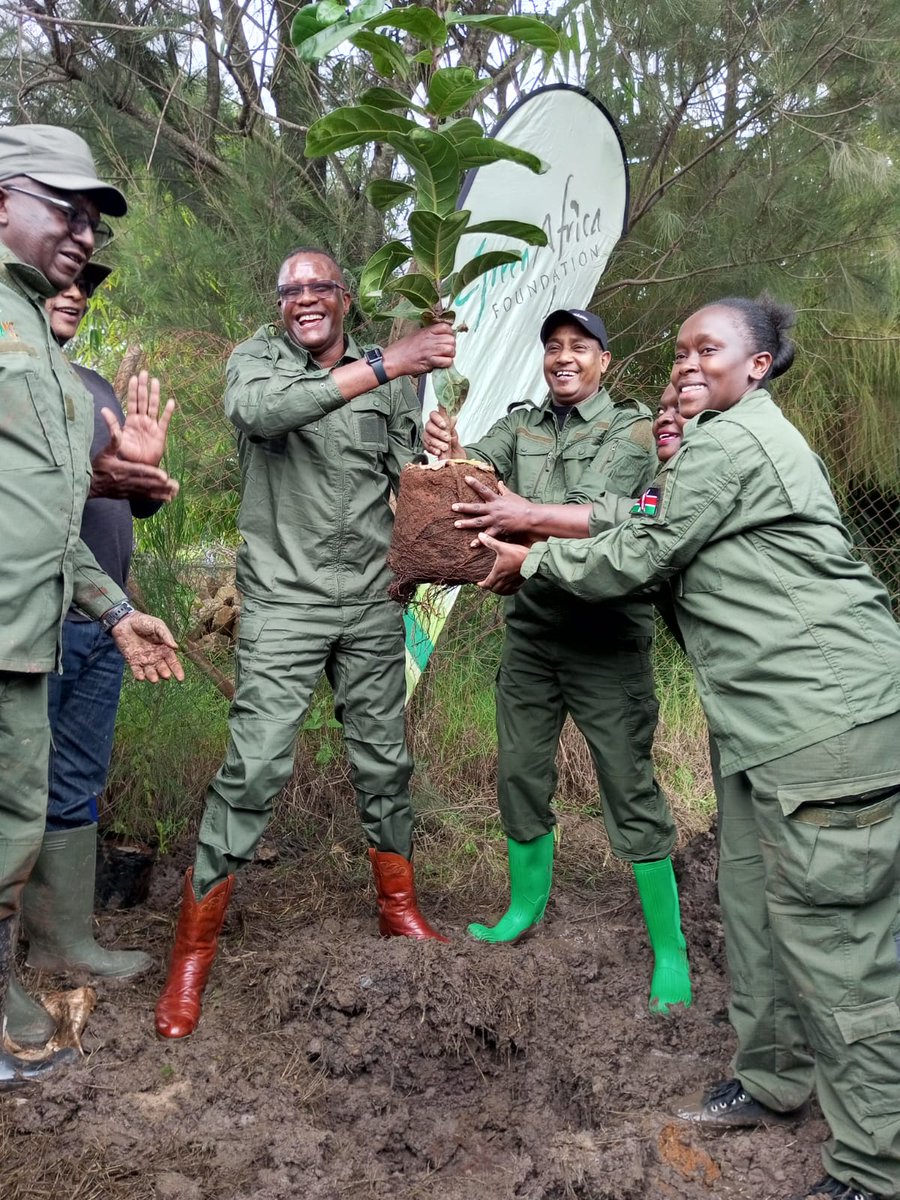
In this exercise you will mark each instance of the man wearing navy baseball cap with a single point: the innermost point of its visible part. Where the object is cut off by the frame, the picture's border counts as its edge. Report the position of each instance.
(51, 201)
(563, 656)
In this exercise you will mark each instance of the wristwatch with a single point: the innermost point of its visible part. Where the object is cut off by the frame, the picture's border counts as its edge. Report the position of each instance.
(114, 615)
(375, 359)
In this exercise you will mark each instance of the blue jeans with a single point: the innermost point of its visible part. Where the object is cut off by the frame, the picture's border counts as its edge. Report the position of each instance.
(82, 706)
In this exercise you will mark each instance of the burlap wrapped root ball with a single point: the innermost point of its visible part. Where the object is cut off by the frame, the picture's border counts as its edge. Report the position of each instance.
(426, 546)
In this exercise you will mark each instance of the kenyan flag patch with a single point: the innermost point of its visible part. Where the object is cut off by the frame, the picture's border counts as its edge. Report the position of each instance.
(648, 503)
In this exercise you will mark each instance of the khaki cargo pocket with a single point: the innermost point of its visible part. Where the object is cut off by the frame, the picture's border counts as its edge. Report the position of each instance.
(867, 1077)
(839, 865)
(533, 457)
(29, 441)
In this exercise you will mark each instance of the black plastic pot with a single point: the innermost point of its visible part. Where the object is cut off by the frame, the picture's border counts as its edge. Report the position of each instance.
(124, 870)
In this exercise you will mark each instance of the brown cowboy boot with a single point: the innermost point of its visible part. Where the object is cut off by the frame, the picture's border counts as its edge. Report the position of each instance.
(196, 938)
(398, 910)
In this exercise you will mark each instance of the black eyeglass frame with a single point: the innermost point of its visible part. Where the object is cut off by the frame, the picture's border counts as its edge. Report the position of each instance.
(294, 291)
(78, 219)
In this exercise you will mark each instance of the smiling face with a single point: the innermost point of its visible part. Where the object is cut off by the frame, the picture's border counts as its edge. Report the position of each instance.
(66, 311)
(574, 364)
(315, 322)
(38, 233)
(668, 425)
(715, 365)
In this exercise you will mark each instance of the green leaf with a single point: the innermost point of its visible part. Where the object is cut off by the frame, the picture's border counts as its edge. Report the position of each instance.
(306, 24)
(403, 311)
(387, 57)
(463, 129)
(474, 152)
(422, 23)
(378, 270)
(424, 56)
(478, 266)
(353, 127)
(450, 389)
(451, 88)
(317, 29)
(331, 11)
(532, 234)
(385, 193)
(436, 168)
(529, 30)
(434, 240)
(418, 288)
(386, 98)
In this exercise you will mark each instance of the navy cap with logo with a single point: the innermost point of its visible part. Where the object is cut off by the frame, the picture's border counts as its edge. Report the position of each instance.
(59, 159)
(589, 322)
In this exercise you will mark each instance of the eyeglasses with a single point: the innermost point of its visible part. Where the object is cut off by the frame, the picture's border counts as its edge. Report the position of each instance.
(79, 220)
(321, 289)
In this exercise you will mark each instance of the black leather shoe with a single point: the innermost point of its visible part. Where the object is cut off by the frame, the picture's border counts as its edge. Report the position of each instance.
(830, 1188)
(728, 1105)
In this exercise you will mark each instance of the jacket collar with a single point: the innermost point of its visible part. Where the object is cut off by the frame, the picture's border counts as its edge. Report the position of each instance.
(589, 409)
(30, 279)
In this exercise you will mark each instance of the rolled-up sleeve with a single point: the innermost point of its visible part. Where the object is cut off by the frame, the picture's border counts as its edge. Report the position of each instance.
(92, 590)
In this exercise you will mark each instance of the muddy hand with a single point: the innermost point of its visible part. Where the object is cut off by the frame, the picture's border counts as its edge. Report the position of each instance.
(505, 576)
(506, 515)
(422, 351)
(440, 436)
(148, 647)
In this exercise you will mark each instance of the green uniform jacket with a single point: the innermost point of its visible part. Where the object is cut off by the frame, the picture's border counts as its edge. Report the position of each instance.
(603, 447)
(46, 428)
(316, 473)
(791, 636)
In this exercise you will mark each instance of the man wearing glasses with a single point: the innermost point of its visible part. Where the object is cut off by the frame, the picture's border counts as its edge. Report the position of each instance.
(324, 429)
(50, 225)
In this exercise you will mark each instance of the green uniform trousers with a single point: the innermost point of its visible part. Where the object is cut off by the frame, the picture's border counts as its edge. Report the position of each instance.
(282, 651)
(609, 694)
(773, 1060)
(831, 877)
(25, 755)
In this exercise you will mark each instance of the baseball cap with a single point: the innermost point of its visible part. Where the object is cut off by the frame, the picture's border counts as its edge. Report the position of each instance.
(59, 159)
(588, 321)
(93, 274)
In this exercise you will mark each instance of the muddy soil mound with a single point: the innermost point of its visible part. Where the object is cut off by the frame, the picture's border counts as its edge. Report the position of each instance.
(331, 1064)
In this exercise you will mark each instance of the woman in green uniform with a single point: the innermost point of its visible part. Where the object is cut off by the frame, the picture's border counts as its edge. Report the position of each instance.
(797, 658)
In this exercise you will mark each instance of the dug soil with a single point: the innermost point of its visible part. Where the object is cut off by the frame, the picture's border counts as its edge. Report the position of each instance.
(333, 1065)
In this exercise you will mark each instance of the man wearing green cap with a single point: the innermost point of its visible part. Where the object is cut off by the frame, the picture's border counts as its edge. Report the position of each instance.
(50, 225)
(562, 656)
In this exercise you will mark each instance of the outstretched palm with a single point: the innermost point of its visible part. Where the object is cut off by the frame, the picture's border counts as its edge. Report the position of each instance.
(143, 436)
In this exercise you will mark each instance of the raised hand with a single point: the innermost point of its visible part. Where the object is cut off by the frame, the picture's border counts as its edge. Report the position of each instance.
(145, 429)
(118, 479)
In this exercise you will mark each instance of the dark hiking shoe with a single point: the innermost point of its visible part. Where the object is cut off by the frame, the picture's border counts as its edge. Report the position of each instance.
(830, 1188)
(728, 1105)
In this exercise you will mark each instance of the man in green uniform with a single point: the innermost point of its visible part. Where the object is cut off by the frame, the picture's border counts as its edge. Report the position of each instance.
(50, 204)
(797, 661)
(562, 655)
(324, 429)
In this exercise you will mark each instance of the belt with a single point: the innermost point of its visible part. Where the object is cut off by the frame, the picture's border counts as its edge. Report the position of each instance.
(851, 812)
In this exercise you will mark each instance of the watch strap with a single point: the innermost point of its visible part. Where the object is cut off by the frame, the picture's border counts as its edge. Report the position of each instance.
(114, 615)
(375, 359)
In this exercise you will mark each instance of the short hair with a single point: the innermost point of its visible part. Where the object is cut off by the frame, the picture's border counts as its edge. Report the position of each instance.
(766, 322)
(321, 251)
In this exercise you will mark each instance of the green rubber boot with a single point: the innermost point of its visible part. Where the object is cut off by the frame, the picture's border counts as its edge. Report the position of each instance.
(530, 876)
(58, 910)
(671, 983)
(27, 1022)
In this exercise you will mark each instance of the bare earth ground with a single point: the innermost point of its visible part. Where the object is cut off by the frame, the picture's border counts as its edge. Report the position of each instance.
(333, 1065)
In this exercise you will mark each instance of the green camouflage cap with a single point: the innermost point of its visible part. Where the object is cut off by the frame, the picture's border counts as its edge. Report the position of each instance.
(59, 159)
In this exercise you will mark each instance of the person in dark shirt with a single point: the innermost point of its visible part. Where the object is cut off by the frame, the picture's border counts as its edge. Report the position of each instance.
(58, 900)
